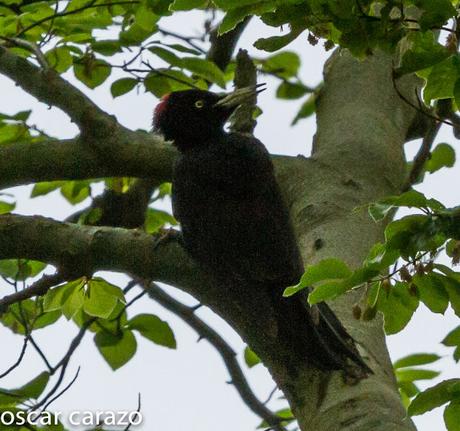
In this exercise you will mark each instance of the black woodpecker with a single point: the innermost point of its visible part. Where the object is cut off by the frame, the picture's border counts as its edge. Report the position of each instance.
(234, 222)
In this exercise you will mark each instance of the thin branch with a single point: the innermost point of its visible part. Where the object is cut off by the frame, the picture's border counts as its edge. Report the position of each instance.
(74, 344)
(422, 156)
(90, 5)
(40, 353)
(187, 39)
(62, 365)
(227, 354)
(39, 288)
(137, 410)
(223, 46)
(19, 360)
(29, 46)
(50, 88)
(63, 391)
(420, 107)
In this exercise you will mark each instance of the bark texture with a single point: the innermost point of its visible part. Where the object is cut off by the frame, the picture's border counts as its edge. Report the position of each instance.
(357, 158)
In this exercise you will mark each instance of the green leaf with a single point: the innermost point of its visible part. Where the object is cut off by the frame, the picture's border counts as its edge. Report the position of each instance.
(416, 359)
(157, 219)
(31, 390)
(92, 73)
(232, 4)
(434, 397)
(397, 306)
(251, 358)
(423, 51)
(35, 387)
(55, 298)
(432, 292)
(6, 207)
(409, 388)
(236, 15)
(435, 13)
(74, 302)
(452, 416)
(122, 86)
(205, 69)
(410, 199)
(181, 5)
(106, 47)
(20, 269)
(101, 298)
(181, 48)
(327, 269)
(117, 350)
(453, 289)
(307, 109)
(441, 79)
(284, 64)
(442, 156)
(413, 374)
(452, 338)
(47, 319)
(146, 19)
(59, 59)
(275, 43)
(44, 188)
(167, 56)
(76, 191)
(154, 329)
(326, 291)
(291, 90)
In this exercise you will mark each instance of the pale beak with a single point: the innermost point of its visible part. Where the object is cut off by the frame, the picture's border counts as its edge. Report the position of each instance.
(240, 96)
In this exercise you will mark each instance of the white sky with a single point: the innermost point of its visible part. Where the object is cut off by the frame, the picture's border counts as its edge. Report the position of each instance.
(185, 390)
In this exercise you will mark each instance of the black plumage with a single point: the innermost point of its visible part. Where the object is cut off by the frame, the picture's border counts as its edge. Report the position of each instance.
(233, 218)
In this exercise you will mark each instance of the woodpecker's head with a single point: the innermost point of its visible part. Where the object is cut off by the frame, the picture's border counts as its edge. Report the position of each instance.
(191, 117)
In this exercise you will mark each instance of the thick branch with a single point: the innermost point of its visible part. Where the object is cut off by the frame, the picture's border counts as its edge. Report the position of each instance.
(222, 46)
(187, 314)
(135, 154)
(48, 87)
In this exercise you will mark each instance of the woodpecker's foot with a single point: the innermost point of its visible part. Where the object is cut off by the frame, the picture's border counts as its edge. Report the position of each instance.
(166, 235)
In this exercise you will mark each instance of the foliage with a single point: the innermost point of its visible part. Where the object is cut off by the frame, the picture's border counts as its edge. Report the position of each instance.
(123, 46)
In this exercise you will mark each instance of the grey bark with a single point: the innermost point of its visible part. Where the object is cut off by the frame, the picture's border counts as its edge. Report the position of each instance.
(358, 158)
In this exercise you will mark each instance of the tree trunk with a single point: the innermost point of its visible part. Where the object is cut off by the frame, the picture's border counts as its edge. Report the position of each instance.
(357, 158)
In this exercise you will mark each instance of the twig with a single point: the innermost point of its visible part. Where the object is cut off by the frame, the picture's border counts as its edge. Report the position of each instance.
(186, 39)
(29, 46)
(63, 363)
(424, 110)
(91, 5)
(245, 75)
(137, 410)
(40, 352)
(223, 46)
(226, 352)
(19, 360)
(270, 395)
(39, 288)
(50, 88)
(423, 155)
(63, 391)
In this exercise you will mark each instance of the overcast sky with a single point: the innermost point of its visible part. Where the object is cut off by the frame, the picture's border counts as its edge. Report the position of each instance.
(186, 390)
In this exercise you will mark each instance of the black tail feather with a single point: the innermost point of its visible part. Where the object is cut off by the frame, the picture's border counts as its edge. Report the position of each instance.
(339, 347)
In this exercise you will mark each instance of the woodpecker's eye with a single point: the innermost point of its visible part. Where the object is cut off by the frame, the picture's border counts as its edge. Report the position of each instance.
(199, 104)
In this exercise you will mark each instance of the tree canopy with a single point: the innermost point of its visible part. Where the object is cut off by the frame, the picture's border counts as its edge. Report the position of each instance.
(397, 60)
